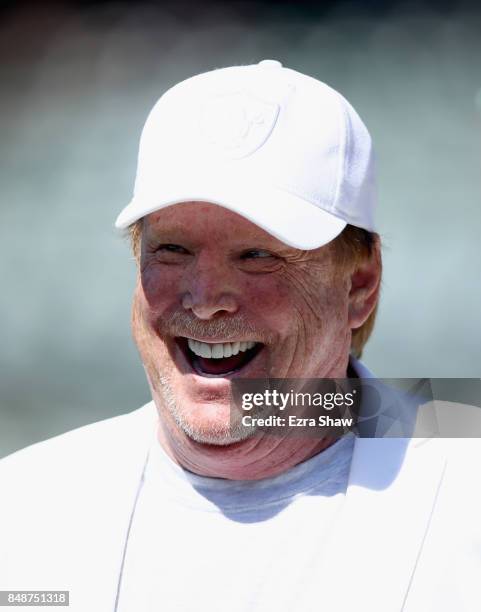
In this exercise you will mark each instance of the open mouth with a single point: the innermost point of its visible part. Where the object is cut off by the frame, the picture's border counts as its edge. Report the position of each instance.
(218, 358)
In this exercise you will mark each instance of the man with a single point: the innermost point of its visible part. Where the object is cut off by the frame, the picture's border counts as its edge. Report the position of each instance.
(252, 226)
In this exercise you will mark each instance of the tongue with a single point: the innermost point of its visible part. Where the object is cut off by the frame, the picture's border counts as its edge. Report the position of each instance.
(221, 366)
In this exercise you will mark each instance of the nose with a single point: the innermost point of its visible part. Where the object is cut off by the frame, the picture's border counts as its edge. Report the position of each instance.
(210, 292)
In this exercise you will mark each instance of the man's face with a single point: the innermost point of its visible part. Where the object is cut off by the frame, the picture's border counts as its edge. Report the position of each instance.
(210, 276)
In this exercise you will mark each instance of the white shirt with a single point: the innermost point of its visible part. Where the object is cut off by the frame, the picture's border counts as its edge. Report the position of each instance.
(200, 543)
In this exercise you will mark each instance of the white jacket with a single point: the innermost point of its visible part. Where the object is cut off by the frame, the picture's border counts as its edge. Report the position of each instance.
(409, 538)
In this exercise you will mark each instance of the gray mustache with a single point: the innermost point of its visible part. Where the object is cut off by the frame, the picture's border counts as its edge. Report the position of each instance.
(229, 327)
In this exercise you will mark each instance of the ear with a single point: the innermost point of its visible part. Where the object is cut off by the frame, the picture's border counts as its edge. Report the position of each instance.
(365, 285)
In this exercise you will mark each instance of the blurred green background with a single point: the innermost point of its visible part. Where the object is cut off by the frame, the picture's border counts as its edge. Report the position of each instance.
(78, 80)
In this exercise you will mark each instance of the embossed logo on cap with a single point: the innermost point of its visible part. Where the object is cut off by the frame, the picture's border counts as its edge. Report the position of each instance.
(236, 124)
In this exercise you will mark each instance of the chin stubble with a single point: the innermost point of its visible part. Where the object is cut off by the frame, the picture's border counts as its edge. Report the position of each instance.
(220, 436)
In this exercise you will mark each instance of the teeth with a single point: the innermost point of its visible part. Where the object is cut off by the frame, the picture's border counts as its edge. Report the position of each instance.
(218, 350)
(204, 350)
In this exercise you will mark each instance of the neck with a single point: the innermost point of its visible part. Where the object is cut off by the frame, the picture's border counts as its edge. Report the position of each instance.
(262, 456)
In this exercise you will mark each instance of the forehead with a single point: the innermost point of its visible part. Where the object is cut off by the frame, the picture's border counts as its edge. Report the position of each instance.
(208, 220)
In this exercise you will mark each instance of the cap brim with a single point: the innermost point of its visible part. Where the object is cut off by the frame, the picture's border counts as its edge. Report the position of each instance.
(289, 218)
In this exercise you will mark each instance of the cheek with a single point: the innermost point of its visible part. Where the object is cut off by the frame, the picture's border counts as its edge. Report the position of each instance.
(317, 306)
(296, 309)
(160, 288)
(152, 349)
(155, 296)
(268, 299)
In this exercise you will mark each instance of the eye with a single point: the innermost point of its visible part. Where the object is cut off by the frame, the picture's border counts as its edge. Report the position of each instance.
(256, 254)
(259, 261)
(169, 253)
(171, 248)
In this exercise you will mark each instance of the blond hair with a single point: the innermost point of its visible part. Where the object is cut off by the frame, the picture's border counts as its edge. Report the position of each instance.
(353, 246)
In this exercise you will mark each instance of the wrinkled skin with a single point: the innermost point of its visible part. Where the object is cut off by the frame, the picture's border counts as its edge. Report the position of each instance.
(226, 279)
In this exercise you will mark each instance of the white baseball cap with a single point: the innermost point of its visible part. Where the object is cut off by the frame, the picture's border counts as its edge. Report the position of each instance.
(278, 147)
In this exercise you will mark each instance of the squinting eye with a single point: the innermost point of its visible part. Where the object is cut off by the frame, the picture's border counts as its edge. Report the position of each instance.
(171, 248)
(256, 254)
